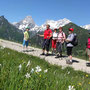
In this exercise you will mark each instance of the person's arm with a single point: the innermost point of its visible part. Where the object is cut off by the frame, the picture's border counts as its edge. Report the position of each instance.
(64, 38)
(24, 35)
(69, 39)
(40, 35)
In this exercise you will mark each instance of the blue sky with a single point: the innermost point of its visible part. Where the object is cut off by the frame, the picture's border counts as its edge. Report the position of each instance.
(78, 11)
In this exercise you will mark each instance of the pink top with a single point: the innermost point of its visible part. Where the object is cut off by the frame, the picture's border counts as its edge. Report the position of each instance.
(61, 37)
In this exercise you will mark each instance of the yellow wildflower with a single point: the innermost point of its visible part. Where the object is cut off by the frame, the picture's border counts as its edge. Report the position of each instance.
(79, 84)
(39, 75)
(86, 75)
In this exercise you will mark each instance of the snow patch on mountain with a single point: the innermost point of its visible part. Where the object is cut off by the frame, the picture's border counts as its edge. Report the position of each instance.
(86, 27)
(27, 22)
(53, 24)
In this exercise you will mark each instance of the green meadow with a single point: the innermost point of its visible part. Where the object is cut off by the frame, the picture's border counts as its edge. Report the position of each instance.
(19, 71)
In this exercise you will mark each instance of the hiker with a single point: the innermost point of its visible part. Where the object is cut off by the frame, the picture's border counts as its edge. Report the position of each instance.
(47, 38)
(26, 39)
(88, 47)
(54, 39)
(60, 40)
(70, 45)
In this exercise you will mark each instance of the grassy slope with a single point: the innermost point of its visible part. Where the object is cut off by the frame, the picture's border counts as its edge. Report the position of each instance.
(9, 32)
(55, 79)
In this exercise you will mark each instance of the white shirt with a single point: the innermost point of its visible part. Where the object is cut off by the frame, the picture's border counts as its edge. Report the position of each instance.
(55, 35)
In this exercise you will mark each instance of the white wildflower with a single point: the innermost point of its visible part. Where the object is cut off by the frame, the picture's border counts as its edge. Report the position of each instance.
(68, 72)
(8, 53)
(20, 66)
(32, 70)
(24, 62)
(27, 75)
(4, 46)
(28, 63)
(63, 67)
(45, 71)
(38, 69)
(0, 64)
(71, 87)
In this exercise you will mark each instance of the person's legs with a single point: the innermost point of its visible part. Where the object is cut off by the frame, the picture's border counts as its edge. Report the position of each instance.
(52, 46)
(23, 45)
(43, 47)
(60, 48)
(88, 52)
(27, 42)
(47, 46)
(89, 58)
(57, 47)
(69, 53)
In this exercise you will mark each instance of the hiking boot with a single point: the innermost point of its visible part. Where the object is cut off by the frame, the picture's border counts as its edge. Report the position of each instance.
(27, 50)
(88, 64)
(58, 56)
(42, 54)
(52, 52)
(24, 51)
(47, 54)
(68, 62)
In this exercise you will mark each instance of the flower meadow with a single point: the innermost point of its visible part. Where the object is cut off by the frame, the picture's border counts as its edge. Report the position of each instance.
(19, 71)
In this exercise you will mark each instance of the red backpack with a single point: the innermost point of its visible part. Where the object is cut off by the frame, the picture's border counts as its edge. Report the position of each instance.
(88, 43)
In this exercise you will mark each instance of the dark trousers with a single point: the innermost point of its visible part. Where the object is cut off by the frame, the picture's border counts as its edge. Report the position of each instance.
(46, 44)
(59, 47)
(69, 51)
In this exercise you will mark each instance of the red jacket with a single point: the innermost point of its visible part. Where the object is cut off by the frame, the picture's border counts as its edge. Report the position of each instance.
(47, 33)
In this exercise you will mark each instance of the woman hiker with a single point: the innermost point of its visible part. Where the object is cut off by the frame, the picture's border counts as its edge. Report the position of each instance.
(88, 47)
(47, 38)
(60, 40)
(54, 39)
(69, 45)
(26, 39)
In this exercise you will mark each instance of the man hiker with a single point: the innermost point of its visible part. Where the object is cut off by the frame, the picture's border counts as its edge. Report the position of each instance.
(47, 37)
(88, 48)
(26, 39)
(70, 45)
(54, 39)
(60, 40)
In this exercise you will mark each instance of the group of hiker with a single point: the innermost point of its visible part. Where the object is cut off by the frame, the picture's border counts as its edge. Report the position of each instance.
(57, 39)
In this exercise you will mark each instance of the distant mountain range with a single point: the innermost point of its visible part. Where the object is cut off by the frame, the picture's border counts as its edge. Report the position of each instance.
(12, 31)
(28, 21)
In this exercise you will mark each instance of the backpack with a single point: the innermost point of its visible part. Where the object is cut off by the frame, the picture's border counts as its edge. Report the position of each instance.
(74, 42)
(88, 43)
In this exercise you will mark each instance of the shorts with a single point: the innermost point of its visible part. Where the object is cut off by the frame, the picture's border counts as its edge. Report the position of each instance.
(88, 51)
(69, 51)
(25, 43)
(54, 44)
(46, 44)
